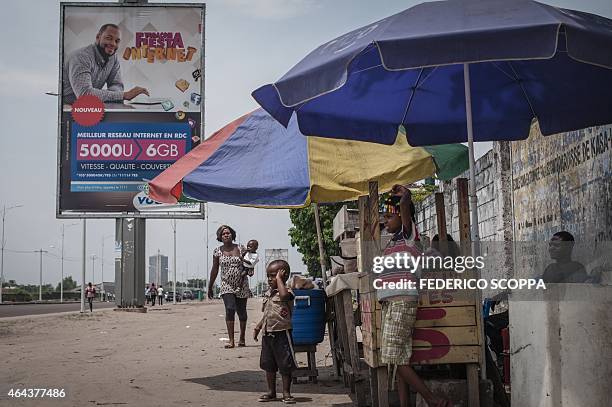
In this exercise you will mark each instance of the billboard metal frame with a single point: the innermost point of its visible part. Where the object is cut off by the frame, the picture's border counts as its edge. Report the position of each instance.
(158, 214)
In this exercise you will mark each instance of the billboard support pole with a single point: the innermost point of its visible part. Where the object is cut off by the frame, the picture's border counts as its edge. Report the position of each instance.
(174, 262)
(84, 264)
(130, 273)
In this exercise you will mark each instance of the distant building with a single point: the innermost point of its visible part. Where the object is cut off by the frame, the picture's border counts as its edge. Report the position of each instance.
(158, 270)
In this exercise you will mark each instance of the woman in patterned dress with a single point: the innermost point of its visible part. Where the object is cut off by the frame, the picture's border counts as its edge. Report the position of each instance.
(234, 289)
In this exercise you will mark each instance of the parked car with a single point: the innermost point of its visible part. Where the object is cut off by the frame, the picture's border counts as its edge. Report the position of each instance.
(187, 295)
(169, 294)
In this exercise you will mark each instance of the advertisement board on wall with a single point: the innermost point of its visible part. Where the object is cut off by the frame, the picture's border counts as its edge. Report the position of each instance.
(131, 102)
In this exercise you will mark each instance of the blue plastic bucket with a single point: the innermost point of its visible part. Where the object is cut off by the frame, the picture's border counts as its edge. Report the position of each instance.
(308, 317)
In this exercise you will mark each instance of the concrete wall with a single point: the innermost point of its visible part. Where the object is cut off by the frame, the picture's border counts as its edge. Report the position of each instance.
(561, 350)
(494, 211)
(561, 345)
(564, 182)
(494, 199)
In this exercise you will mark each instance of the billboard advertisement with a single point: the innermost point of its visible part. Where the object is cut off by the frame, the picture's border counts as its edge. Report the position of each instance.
(131, 102)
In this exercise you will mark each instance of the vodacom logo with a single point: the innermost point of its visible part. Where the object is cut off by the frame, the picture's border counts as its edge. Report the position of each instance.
(88, 110)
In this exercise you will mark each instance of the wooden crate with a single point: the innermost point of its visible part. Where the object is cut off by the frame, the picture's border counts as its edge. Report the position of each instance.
(446, 330)
(346, 220)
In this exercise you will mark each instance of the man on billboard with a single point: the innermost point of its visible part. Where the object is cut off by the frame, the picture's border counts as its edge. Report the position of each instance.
(88, 69)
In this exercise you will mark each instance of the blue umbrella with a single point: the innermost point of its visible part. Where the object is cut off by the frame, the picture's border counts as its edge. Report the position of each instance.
(454, 71)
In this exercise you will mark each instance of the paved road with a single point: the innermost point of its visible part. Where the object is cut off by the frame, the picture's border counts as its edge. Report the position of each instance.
(36, 309)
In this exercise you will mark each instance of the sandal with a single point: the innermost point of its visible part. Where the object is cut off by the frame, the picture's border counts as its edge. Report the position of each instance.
(288, 399)
(241, 344)
(264, 398)
(229, 346)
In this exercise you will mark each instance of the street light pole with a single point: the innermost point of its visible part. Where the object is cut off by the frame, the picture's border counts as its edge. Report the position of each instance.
(62, 279)
(102, 265)
(102, 260)
(93, 269)
(41, 251)
(205, 294)
(62, 276)
(4, 209)
(174, 261)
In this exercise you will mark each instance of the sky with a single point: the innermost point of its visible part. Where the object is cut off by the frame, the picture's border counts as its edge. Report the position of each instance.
(248, 44)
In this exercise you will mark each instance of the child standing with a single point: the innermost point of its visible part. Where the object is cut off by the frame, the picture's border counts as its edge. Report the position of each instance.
(276, 343)
(399, 307)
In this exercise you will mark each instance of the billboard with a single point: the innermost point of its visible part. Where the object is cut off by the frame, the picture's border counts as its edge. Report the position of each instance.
(131, 102)
(276, 254)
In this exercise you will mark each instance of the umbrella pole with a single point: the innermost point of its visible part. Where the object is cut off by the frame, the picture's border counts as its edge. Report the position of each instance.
(320, 240)
(470, 134)
(474, 206)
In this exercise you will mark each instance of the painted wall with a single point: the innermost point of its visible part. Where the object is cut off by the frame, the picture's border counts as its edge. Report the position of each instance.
(561, 345)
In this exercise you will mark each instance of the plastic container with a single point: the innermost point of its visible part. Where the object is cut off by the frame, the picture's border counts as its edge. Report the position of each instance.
(308, 317)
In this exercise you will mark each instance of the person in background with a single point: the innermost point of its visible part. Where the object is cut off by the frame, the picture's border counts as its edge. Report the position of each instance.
(153, 291)
(90, 293)
(160, 294)
(438, 248)
(148, 294)
(276, 343)
(564, 269)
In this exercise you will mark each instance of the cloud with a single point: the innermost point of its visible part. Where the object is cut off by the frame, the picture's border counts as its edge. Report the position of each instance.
(273, 9)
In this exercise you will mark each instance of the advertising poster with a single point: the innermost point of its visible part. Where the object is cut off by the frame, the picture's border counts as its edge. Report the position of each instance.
(132, 94)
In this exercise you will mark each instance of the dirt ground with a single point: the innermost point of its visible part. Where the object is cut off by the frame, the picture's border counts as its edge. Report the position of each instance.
(171, 355)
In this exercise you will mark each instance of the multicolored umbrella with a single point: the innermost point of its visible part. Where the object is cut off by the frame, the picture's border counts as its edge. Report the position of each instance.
(256, 161)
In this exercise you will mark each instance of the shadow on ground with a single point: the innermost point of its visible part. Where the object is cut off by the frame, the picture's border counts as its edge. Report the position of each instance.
(254, 381)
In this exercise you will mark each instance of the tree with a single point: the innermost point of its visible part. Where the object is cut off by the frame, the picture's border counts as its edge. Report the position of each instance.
(303, 234)
(69, 284)
(196, 283)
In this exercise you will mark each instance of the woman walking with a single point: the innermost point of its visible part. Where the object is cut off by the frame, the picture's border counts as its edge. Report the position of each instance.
(90, 293)
(234, 289)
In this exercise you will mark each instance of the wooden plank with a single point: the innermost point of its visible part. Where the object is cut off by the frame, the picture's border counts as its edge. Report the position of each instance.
(473, 385)
(441, 221)
(444, 336)
(445, 316)
(454, 354)
(356, 378)
(446, 298)
(373, 386)
(369, 232)
(463, 209)
(466, 250)
(383, 386)
(342, 333)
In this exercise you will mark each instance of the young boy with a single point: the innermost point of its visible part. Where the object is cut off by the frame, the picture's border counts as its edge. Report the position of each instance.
(249, 260)
(399, 307)
(276, 343)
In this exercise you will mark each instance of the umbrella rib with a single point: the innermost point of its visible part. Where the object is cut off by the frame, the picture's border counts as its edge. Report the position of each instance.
(499, 68)
(520, 83)
(414, 88)
(366, 69)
